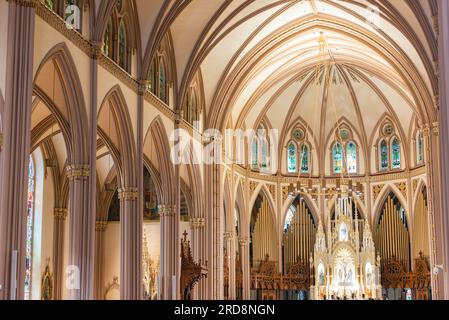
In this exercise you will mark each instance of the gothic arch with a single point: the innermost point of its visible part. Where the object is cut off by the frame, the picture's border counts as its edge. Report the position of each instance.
(158, 135)
(263, 190)
(377, 208)
(74, 100)
(116, 104)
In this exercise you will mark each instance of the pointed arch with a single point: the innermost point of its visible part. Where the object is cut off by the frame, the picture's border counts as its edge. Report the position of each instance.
(75, 107)
(115, 102)
(382, 197)
(158, 135)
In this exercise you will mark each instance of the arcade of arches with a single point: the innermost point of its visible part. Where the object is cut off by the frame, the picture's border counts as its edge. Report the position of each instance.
(332, 183)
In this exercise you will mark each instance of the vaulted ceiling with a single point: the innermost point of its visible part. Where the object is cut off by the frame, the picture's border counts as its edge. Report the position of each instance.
(259, 59)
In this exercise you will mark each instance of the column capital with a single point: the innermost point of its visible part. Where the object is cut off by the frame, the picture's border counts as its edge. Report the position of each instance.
(244, 241)
(96, 49)
(197, 223)
(26, 3)
(228, 235)
(60, 213)
(142, 87)
(167, 210)
(77, 172)
(101, 226)
(128, 193)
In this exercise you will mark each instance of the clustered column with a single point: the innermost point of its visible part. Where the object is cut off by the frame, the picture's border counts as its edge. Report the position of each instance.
(17, 124)
(130, 245)
(244, 249)
(80, 271)
(100, 228)
(60, 215)
(198, 241)
(169, 261)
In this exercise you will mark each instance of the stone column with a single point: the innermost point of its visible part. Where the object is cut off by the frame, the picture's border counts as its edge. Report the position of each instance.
(16, 145)
(60, 215)
(214, 231)
(244, 249)
(80, 272)
(441, 283)
(100, 228)
(130, 245)
(230, 245)
(167, 214)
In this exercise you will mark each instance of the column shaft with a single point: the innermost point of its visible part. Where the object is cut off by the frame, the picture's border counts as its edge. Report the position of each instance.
(16, 146)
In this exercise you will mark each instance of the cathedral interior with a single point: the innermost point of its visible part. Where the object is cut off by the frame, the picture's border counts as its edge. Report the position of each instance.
(224, 149)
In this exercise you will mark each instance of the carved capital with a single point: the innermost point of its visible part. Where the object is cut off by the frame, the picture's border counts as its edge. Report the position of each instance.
(167, 210)
(77, 172)
(128, 193)
(228, 235)
(96, 49)
(436, 128)
(197, 223)
(101, 226)
(60, 213)
(142, 87)
(244, 241)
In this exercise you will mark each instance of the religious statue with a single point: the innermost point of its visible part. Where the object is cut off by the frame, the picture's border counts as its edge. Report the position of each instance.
(47, 283)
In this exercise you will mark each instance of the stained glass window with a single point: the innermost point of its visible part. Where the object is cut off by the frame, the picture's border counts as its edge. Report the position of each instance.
(351, 154)
(255, 153)
(384, 156)
(50, 4)
(396, 154)
(122, 46)
(305, 158)
(292, 157)
(107, 47)
(338, 158)
(162, 82)
(152, 77)
(419, 148)
(29, 236)
(264, 147)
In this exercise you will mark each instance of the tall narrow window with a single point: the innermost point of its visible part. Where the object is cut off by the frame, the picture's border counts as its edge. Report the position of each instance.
(338, 158)
(122, 47)
(162, 82)
(305, 155)
(419, 148)
(292, 166)
(29, 235)
(384, 155)
(255, 153)
(396, 154)
(264, 147)
(152, 76)
(351, 160)
(108, 46)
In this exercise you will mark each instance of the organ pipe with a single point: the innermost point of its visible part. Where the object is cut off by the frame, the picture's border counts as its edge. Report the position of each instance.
(264, 236)
(299, 237)
(392, 235)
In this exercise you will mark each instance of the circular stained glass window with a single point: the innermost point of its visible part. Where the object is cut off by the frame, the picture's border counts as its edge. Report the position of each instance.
(344, 134)
(388, 129)
(298, 134)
